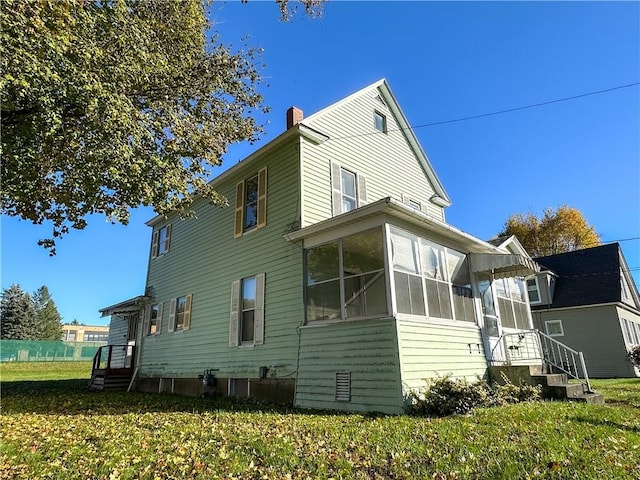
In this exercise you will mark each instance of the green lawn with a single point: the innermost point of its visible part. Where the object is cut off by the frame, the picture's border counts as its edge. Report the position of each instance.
(57, 429)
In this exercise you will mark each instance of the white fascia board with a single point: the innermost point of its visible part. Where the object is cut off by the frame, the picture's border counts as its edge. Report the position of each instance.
(299, 129)
(106, 311)
(443, 199)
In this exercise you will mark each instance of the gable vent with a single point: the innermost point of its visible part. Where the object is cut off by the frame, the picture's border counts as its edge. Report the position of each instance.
(343, 386)
(379, 99)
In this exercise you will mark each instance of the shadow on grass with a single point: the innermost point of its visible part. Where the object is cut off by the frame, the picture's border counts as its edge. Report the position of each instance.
(74, 397)
(607, 423)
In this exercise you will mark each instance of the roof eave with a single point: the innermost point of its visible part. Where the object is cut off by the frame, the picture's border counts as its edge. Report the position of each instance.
(299, 129)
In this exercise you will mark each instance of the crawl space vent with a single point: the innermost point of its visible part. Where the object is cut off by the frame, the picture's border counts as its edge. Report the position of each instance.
(343, 386)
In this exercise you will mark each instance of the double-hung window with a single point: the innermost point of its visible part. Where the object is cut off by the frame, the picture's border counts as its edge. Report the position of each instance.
(251, 203)
(379, 122)
(154, 320)
(349, 189)
(533, 289)
(180, 313)
(246, 323)
(161, 241)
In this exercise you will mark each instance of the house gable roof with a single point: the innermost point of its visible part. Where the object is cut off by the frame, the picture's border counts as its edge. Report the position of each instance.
(441, 198)
(587, 277)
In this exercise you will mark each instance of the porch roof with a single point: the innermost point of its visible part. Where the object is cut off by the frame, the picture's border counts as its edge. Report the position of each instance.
(128, 306)
(503, 265)
(396, 209)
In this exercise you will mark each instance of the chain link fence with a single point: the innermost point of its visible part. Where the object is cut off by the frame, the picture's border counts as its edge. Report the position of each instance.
(47, 351)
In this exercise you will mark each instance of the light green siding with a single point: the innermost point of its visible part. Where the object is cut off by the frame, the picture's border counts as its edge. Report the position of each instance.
(205, 258)
(387, 161)
(596, 332)
(367, 349)
(428, 350)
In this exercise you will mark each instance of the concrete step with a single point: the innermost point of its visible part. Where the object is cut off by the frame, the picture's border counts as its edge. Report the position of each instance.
(550, 379)
(592, 398)
(563, 392)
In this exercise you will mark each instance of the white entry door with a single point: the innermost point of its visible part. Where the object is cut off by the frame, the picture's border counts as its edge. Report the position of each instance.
(491, 327)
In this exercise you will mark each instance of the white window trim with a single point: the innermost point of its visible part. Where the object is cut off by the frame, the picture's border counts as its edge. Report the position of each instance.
(156, 244)
(147, 327)
(186, 322)
(385, 126)
(235, 313)
(558, 322)
(539, 301)
(336, 188)
(445, 268)
(240, 205)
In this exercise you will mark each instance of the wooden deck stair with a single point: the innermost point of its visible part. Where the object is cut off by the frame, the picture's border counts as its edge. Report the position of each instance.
(110, 382)
(113, 367)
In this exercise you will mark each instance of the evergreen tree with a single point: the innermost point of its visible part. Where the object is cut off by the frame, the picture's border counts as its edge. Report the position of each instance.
(48, 319)
(17, 315)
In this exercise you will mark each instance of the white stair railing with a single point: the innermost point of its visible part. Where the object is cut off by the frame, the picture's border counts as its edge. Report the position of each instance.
(536, 345)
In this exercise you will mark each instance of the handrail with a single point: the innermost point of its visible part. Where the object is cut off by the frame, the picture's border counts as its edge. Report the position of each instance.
(114, 360)
(537, 345)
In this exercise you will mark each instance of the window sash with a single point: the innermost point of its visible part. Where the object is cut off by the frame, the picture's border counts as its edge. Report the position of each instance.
(554, 328)
(432, 265)
(359, 288)
(246, 318)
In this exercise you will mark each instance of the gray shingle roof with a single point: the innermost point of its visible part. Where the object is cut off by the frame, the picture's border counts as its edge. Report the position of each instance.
(585, 277)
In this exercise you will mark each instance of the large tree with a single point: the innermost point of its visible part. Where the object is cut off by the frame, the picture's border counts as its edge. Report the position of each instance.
(557, 231)
(112, 104)
(48, 319)
(17, 315)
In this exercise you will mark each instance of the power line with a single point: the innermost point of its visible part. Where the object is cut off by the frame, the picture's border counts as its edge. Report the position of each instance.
(498, 112)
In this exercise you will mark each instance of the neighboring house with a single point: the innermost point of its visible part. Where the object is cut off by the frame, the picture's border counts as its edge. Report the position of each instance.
(85, 333)
(332, 281)
(587, 300)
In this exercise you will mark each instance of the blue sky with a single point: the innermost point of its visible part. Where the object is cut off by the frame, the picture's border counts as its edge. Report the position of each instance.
(443, 61)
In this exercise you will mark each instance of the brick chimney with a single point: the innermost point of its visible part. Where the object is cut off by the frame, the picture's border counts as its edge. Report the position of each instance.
(294, 116)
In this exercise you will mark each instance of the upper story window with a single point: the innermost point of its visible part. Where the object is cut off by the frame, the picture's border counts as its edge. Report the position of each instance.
(349, 189)
(251, 203)
(380, 122)
(415, 205)
(533, 289)
(161, 241)
(348, 186)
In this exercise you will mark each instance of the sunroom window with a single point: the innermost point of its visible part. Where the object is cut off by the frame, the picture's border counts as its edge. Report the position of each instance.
(346, 278)
(422, 267)
(514, 311)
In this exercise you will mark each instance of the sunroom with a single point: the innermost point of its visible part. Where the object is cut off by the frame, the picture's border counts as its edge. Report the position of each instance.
(393, 296)
(389, 260)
